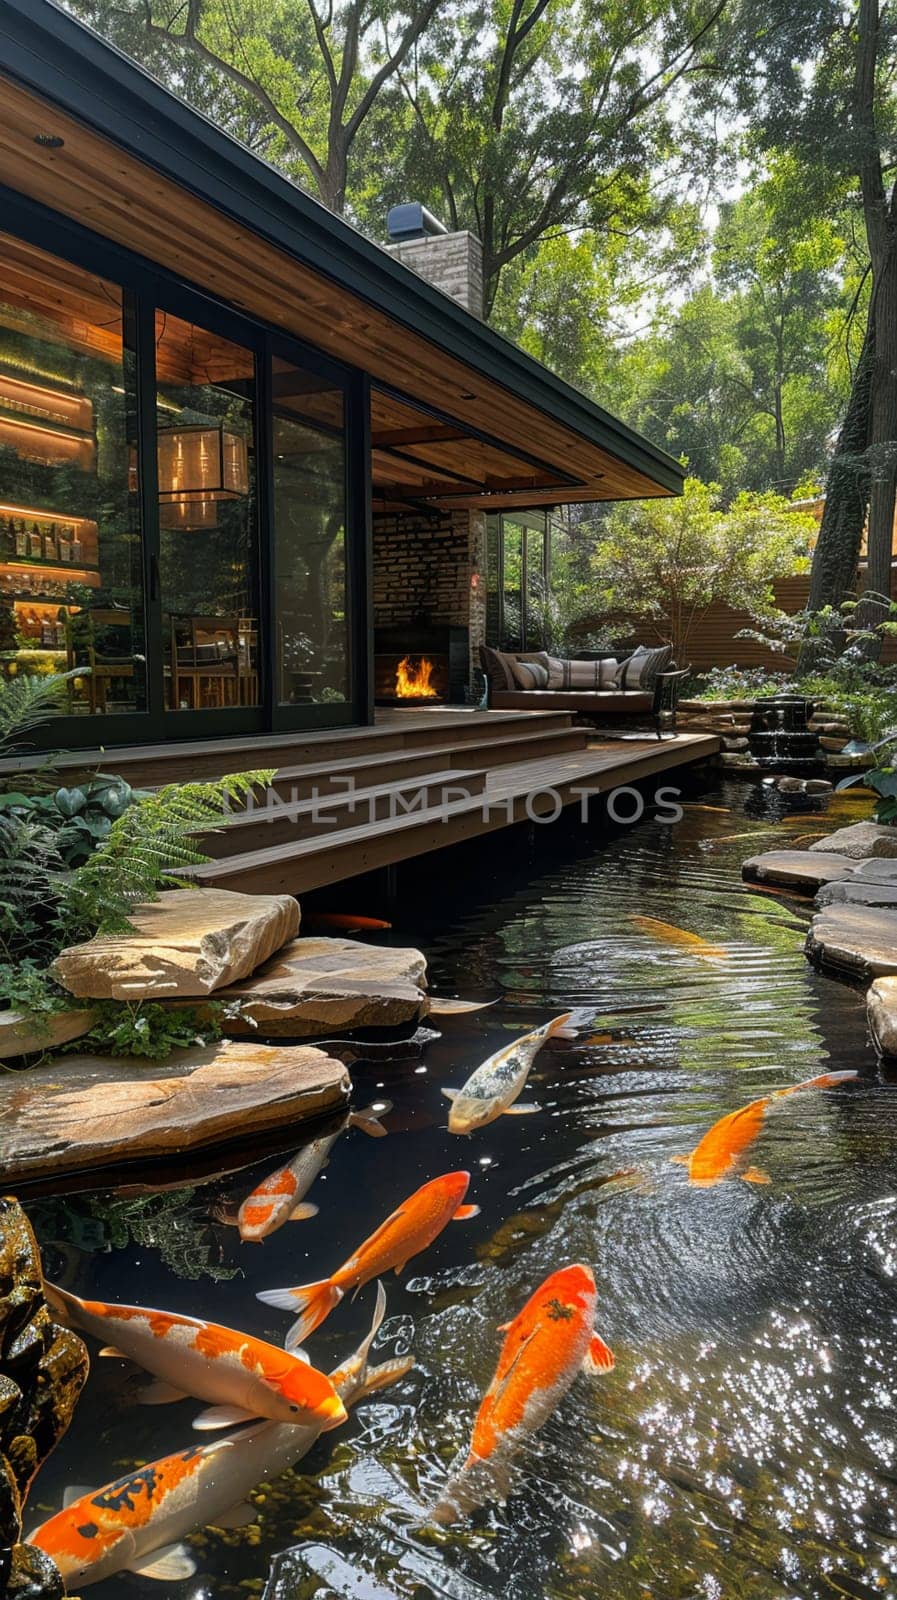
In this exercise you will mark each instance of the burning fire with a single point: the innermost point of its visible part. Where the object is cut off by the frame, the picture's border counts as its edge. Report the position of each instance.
(413, 679)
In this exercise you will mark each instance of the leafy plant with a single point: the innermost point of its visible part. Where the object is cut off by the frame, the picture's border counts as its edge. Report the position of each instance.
(144, 847)
(27, 987)
(740, 683)
(27, 703)
(150, 1030)
(80, 817)
(883, 780)
(29, 864)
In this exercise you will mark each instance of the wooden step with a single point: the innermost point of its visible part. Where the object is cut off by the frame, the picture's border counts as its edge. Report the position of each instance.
(296, 783)
(270, 827)
(147, 766)
(512, 790)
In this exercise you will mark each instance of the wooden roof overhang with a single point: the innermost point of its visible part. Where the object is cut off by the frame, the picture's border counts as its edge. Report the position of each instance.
(459, 416)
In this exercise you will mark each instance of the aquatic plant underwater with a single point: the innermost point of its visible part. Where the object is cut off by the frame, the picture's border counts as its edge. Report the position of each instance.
(738, 1446)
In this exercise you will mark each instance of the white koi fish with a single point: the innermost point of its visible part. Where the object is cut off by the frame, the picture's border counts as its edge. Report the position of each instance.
(280, 1197)
(492, 1090)
(243, 1377)
(136, 1523)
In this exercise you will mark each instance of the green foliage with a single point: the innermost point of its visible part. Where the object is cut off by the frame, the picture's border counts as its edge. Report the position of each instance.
(26, 987)
(27, 703)
(150, 1030)
(79, 818)
(141, 852)
(739, 683)
(666, 561)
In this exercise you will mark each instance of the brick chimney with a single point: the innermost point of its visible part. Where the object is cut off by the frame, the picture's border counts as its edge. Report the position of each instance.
(452, 262)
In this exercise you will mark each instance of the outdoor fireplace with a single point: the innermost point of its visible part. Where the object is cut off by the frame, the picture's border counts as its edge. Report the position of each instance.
(420, 664)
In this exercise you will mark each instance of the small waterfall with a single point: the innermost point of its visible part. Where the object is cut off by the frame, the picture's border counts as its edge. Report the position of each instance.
(780, 736)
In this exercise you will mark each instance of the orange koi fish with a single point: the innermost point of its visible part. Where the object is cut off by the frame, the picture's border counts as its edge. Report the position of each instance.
(547, 1344)
(280, 1197)
(408, 1231)
(243, 1377)
(719, 1153)
(137, 1522)
(680, 938)
(347, 921)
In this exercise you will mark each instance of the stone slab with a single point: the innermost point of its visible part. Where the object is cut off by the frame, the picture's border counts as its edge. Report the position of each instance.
(315, 985)
(859, 841)
(858, 942)
(881, 1014)
(24, 1034)
(856, 891)
(188, 943)
(85, 1112)
(797, 869)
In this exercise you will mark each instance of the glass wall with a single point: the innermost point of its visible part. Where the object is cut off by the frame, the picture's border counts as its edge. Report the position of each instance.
(174, 542)
(518, 555)
(311, 610)
(71, 560)
(208, 518)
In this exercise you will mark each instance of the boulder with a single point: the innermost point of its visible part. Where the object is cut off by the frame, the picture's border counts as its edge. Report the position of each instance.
(818, 786)
(859, 841)
(858, 942)
(87, 1111)
(43, 1368)
(881, 1014)
(797, 869)
(316, 985)
(188, 943)
(25, 1034)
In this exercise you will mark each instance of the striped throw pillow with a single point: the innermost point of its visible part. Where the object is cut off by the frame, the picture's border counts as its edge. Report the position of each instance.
(642, 667)
(576, 674)
(529, 674)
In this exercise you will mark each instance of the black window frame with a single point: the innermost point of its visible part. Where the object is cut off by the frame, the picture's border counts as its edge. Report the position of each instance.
(151, 288)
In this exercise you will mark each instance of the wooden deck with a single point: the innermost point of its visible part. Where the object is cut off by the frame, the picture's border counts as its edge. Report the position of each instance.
(349, 801)
(420, 781)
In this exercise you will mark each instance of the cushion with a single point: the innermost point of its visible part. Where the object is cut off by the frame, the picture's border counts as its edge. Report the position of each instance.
(576, 674)
(641, 669)
(497, 667)
(607, 672)
(529, 674)
(598, 702)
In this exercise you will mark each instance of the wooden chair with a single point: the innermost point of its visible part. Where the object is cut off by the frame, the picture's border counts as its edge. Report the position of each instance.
(101, 666)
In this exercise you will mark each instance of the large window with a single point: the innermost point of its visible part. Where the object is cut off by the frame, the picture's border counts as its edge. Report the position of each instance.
(208, 523)
(312, 645)
(71, 562)
(517, 567)
(174, 505)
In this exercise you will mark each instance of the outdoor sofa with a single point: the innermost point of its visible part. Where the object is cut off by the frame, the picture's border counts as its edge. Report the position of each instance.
(642, 685)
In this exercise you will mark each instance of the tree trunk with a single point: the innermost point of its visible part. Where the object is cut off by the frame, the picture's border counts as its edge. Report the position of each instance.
(883, 436)
(837, 552)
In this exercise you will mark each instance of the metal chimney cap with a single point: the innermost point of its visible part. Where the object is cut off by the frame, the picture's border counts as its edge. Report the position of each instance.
(412, 221)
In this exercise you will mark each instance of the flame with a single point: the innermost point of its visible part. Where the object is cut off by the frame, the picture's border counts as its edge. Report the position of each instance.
(413, 680)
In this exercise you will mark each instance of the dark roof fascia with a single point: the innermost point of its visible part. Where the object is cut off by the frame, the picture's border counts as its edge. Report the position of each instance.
(66, 63)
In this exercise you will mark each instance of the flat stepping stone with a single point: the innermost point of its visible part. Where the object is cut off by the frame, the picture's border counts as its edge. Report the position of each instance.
(856, 942)
(797, 869)
(315, 985)
(857, 891)
(187, 944)
(24, 1034)
(83, 1112)
(881, 1014)
(860, 841)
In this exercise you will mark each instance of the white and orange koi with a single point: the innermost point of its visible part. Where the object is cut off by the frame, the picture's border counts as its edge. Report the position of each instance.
(491, 1091)
(280, 1197)
(242, 1377)
(547, 1344)
(409, 1230)
(719, 1154)
(137, 1522)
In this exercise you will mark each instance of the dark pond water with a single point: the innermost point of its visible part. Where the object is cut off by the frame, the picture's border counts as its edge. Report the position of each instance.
(745, 1447)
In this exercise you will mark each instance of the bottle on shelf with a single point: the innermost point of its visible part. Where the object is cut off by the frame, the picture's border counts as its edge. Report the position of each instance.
(21, 540)
(35, 542)
(51, 548)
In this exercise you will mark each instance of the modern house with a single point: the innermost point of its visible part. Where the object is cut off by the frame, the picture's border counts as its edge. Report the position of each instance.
(246, 455)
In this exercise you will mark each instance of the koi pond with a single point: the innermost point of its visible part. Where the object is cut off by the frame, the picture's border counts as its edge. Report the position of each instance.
(745, 1445)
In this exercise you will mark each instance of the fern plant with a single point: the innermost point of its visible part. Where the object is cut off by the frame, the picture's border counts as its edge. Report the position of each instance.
(144, 849)
(29, 863)
(27, 703)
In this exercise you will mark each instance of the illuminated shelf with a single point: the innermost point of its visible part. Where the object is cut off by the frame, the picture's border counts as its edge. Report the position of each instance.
(40, 564)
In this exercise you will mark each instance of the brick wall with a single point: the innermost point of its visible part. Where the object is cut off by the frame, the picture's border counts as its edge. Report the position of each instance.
(451, 261)
(423, 566)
